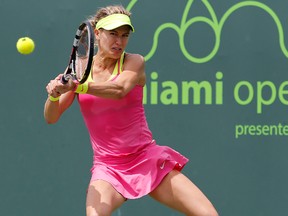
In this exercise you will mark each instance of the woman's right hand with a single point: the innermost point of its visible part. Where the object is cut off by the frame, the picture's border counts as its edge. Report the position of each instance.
(55, 87)
(52, 87)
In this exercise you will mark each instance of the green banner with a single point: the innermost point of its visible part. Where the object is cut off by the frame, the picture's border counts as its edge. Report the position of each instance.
(217, 91)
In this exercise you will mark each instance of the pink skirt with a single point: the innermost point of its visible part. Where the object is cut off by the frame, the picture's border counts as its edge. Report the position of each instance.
(138, 174)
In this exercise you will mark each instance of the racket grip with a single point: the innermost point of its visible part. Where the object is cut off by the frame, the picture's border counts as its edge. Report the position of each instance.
(65, 78)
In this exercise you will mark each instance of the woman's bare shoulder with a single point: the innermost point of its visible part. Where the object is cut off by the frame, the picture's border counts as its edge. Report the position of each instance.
(134, 57)
(136, 62)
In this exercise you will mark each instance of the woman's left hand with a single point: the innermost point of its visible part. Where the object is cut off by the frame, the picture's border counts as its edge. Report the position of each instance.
(55, 87)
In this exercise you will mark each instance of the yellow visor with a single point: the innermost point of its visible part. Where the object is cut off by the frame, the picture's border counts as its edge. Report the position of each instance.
(114, 21)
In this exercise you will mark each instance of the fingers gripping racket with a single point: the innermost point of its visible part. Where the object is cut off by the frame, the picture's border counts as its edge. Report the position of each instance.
(81, 55)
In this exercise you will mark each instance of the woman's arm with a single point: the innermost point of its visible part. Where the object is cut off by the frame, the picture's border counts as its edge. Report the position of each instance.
(54, 109)
(133, 74)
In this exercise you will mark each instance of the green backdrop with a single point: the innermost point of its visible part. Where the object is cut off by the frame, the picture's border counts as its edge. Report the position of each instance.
(217, 91)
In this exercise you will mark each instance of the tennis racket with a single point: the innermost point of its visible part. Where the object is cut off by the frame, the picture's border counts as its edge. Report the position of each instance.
(81, 57)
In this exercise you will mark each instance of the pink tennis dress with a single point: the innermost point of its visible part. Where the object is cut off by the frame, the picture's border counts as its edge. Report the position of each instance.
(125, 154)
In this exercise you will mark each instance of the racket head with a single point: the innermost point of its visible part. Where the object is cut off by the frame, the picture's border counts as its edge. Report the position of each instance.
(81, 57)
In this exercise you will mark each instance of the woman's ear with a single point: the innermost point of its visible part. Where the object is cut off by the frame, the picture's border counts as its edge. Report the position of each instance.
(96, 32)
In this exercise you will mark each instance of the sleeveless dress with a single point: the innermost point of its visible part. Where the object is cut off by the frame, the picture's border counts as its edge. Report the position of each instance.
(125, 154)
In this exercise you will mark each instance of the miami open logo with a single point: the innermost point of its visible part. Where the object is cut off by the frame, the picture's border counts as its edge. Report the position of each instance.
(168, 92)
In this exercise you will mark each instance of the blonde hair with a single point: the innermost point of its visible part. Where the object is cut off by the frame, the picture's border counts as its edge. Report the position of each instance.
(106, 11)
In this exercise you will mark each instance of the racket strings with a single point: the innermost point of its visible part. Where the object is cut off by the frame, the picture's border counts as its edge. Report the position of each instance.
(82, 55)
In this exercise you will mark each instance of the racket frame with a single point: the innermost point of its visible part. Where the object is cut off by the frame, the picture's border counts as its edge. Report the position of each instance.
(70, 72)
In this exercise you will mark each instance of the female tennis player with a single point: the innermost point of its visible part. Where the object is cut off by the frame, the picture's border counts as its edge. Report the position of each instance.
(127, 161)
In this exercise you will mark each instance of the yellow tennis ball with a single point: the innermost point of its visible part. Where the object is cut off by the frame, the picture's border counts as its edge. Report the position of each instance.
(25, 45)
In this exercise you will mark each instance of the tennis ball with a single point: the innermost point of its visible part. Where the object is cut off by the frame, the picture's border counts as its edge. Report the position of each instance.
(25, 45)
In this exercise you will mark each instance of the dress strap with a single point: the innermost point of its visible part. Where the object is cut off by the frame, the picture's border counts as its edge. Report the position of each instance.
(116, 72)
(118, 68)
